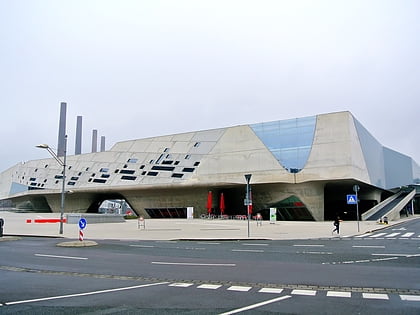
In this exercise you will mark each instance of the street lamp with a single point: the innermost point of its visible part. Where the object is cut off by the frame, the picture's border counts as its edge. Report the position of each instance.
(63, 164)
(248, 201)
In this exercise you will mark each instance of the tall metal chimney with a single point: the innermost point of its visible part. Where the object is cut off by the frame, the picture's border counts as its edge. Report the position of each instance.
(94, 140)
(78, 146)
(62, 130)
(102, 143)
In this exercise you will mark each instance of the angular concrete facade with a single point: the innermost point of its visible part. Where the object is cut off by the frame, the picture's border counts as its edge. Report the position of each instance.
(304, 167)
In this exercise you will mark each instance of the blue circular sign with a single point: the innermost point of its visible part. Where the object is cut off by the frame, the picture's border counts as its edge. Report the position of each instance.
(82, 223)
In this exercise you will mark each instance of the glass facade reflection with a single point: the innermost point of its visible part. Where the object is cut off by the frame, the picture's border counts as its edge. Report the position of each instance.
(290, 140)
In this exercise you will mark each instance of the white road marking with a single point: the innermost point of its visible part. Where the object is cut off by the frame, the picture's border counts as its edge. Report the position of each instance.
(209, 286)
(209, 243)
(271, 290)
(363, 235)
(145, 246)
(191, 264)
(181, 285)
(308, 245)
(248, 250)
(383, 259)
(407, 234)
(304, 292)
(377, 235)
(85, 294)
(392, 235)
(63, 257)
(254, 244)
(250, 307)
(339, 294)
(376, 296)
(397, 255)
(239, 288)
(368, 246)
(317, 253)
(410, 297)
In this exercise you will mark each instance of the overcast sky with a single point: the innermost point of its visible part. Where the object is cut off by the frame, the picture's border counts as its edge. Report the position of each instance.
(136, 69)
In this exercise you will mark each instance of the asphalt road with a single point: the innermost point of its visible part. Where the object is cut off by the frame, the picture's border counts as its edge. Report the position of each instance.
(378, 273)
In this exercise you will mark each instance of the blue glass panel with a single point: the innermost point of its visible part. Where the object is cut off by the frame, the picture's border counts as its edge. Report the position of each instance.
(290, 140)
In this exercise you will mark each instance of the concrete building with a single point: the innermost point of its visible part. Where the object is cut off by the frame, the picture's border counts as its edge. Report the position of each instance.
(303, 167)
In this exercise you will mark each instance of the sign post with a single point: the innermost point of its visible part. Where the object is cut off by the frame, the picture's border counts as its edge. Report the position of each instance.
(82, 225)
(354, 200)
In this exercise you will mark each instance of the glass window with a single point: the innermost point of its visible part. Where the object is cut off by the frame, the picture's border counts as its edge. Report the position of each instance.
(290, 140)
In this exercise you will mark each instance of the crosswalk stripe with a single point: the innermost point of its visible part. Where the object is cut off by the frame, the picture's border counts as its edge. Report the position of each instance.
(209, 286)
(181, 285)
(271, 290)
(304, 292)
(410, 297)
(363, 235)
(239, 288)
(339, 294)
(407, 234)
(377, 235)
(393, 234)
(376, 296)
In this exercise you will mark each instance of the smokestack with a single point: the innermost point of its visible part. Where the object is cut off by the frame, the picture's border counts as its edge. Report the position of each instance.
(78, 146)
(62, 129)
(102, 143)
(94, 140)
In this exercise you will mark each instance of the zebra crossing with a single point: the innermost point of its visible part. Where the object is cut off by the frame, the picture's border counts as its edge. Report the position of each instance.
(390, 235)
(297, 292)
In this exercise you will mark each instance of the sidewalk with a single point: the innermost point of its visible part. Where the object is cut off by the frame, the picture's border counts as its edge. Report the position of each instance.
(187, 229)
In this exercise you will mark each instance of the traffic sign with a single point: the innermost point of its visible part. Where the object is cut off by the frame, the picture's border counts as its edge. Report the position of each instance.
(82, 223)
(351, 199)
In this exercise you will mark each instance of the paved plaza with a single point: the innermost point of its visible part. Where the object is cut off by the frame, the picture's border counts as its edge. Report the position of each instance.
(186, 229)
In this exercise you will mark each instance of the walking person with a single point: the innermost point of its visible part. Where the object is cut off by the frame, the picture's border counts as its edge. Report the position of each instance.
(337, 225)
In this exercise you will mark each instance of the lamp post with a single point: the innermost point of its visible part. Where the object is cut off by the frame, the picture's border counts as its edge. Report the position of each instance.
(63, 187)
(248, 201)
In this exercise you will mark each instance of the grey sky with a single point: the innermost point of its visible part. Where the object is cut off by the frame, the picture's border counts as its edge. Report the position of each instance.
(136, 69)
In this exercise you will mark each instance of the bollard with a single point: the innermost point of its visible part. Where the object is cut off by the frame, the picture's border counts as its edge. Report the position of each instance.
(1, 226)
(141, 223)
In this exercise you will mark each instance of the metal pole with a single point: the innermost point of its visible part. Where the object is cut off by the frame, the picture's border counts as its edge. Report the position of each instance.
(247, 201)
(63, 188)
(357, 211)
(412, 206)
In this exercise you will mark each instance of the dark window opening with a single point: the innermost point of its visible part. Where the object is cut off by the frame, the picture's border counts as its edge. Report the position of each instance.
(188, 169)
(74, 178)
(152, 173)
(132, 160)
(177, 175)
(163, 168)
(98, 180)
(167, 162)
(159, 159)
(196, 163)
(105, 175)
(127, 177)
(127, 171)
(141, 167)
(71, 183)
(104, 170)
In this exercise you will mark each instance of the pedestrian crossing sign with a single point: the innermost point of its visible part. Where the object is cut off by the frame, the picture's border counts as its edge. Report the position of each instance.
(351, 199)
